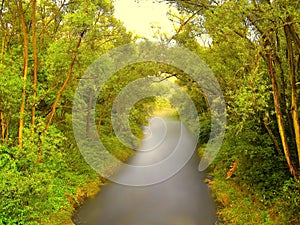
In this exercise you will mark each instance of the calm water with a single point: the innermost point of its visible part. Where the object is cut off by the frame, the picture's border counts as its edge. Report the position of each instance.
(183, 199)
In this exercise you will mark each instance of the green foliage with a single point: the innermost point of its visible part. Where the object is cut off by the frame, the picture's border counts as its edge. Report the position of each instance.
(249, 47)
(116, 148)
(31, 188)
(205, 129)
(36, 179)
(287, 203)
(235, 206)
(259, 190)
(40, 180)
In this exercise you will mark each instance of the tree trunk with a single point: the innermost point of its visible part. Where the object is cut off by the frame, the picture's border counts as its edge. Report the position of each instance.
(279, 118)
(2, 46)
(273, 137)
(88, 119)
(65, 83)
(35, 58)
(2, 125)
(25, 71)
(101, 114)
(294, 106)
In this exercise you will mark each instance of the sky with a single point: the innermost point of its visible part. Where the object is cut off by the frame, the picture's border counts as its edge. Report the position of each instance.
(139, 17)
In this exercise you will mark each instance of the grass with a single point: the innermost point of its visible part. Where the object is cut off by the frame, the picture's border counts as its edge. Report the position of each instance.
(235, 206)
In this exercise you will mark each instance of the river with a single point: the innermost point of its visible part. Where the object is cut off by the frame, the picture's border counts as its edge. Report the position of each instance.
(183, 199)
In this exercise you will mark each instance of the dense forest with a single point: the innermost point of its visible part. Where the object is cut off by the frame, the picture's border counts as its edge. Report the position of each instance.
(251, 46)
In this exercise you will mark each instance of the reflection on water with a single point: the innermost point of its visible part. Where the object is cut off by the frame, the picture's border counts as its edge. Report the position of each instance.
(183, 199)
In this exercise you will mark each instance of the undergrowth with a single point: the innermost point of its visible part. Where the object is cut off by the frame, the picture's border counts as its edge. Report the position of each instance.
(252, 184)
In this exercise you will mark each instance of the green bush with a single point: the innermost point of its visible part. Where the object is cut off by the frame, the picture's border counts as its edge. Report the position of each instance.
(35, 180)
(261, 174)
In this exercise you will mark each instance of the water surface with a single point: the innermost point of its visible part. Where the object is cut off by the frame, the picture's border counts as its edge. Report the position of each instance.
(183, 199)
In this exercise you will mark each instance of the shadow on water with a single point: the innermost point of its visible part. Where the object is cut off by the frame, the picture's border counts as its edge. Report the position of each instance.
(183, 199)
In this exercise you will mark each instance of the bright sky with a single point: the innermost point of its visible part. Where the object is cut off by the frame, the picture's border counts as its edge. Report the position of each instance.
(140, 17)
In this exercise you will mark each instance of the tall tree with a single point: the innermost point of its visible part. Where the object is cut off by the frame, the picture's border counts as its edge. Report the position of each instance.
(35, 64)
(25, 72)
(257, 43)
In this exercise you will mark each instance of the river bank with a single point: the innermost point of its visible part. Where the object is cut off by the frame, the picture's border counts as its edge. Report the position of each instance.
(84, 193)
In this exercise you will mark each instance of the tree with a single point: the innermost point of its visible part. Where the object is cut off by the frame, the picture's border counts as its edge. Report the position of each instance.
(25, 72)
(256, 42)
(45, 48)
